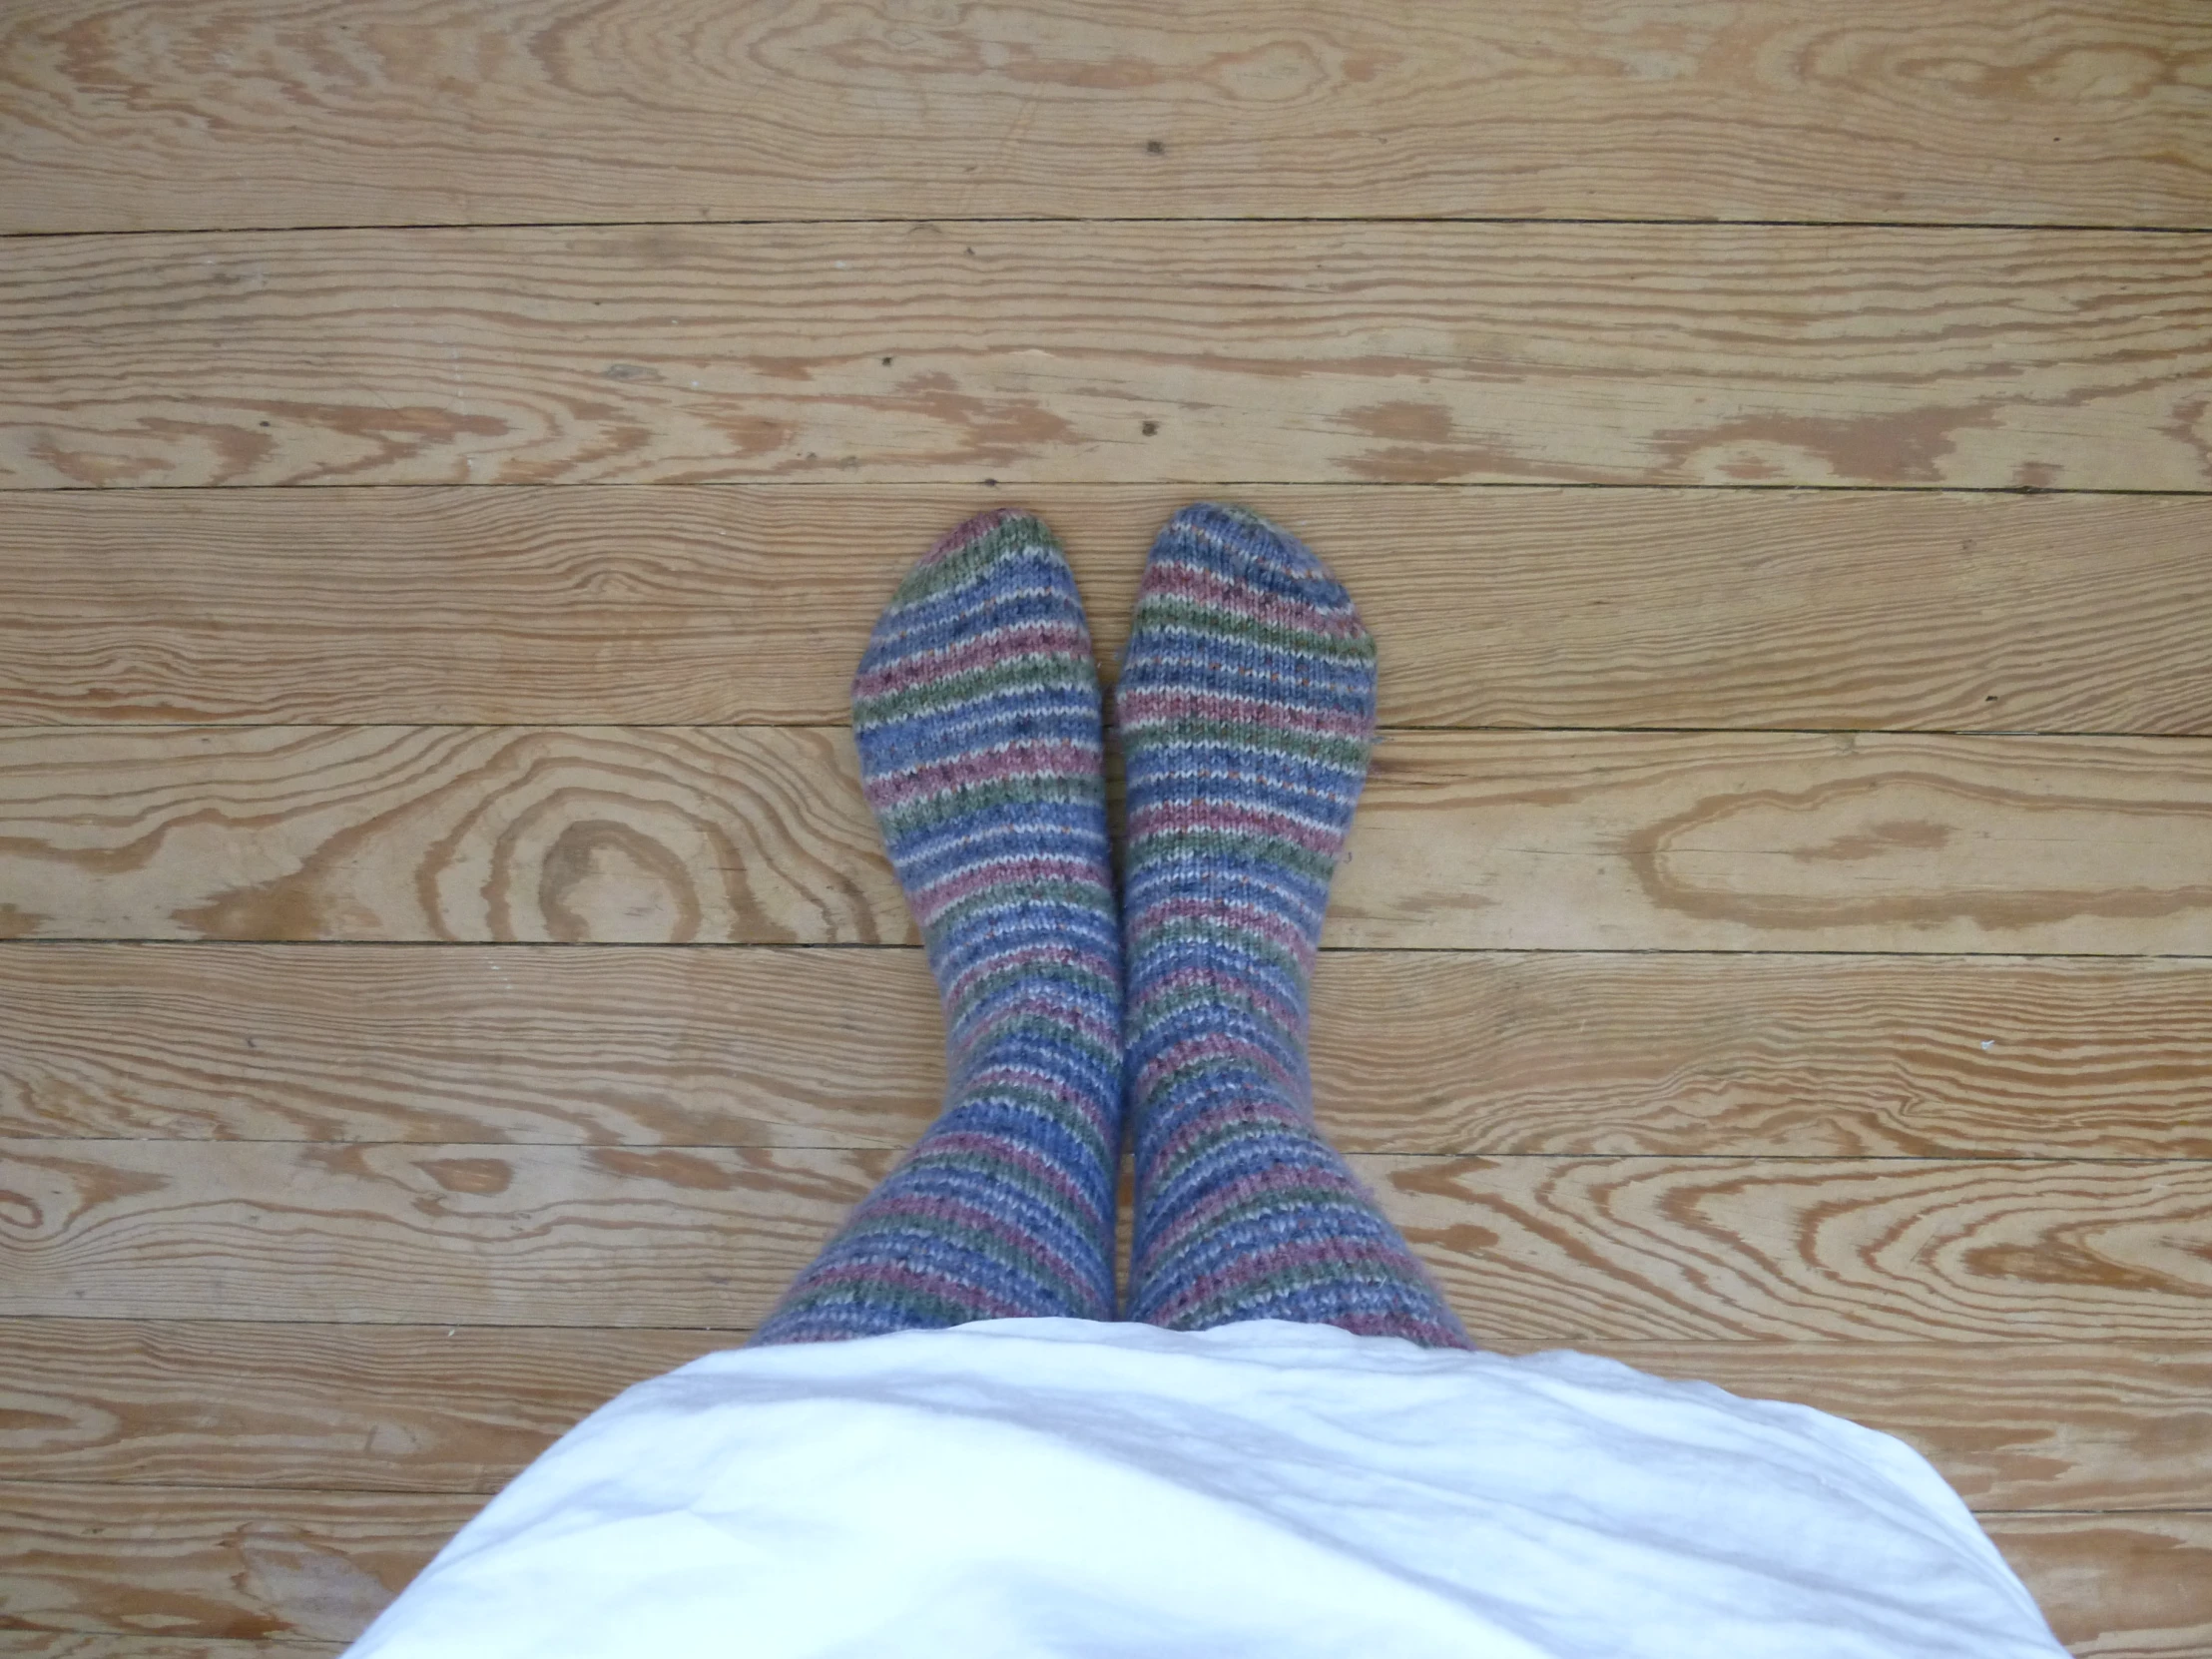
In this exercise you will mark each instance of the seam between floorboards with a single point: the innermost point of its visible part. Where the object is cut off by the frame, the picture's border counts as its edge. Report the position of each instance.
(910, 486)
(2022, 956)
(1665, 222)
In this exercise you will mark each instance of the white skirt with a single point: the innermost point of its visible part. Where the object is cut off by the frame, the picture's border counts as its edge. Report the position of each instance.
(1030, 1487)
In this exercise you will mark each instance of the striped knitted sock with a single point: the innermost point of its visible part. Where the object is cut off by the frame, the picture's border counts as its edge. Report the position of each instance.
(1247, 710)
(976, 713)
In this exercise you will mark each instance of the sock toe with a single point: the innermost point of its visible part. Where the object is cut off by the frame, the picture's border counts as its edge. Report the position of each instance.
(985, 549)
(1260, 555)
(991, 622)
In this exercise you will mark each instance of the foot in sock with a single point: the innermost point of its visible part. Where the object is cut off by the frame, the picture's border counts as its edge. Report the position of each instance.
(976, 714)
(1246, 708)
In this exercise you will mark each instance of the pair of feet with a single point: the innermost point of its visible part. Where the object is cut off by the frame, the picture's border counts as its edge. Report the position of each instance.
(1246, 710)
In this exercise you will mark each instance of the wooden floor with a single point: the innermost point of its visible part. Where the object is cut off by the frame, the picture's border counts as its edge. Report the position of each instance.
(450, 457)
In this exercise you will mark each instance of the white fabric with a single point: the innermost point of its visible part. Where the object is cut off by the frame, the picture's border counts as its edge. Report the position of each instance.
(1029, 1487)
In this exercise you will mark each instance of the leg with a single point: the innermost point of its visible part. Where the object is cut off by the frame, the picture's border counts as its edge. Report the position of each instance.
(1247, 710)
(976, 714)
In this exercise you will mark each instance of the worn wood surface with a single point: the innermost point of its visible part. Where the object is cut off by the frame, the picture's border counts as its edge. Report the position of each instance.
(201, 1562)
(1466, 841)
(1556, 1249)
(1769, 843)
(2117, 1587)
(662, 835)
(212, 1563)
(446, 1409)
(136, 116)
(1196, 353)
(1515, 607)
(1424, 1052)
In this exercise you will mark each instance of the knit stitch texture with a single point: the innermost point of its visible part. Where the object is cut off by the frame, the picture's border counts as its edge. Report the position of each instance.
(976, 711)
(1246, 708)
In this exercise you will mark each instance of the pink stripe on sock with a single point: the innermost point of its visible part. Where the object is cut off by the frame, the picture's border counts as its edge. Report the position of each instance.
(1017, 759)
(956, 991)
(1266, 924)
(1254, 1109)
(1198, 585)
(1288, 1017)
(966, 1143)
(1217, 1046)
(970, 530)
(1383, 1262)
(1175, 816)
(1206, 1213)
(1058, 1008)
(1141, 706)
(879, 1275)
(1058, 639)
(929, 902)
(967, 1084)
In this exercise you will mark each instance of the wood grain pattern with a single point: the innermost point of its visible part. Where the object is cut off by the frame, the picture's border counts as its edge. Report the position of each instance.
(1464, 841)
(2117, 1587)
(197, 1562)
(600, 1236)
(1760, 842)
(1240, 352)
(1556, 1249)
(1427, 1052)
(751, 604)
(622, 1045)
(358, 1408)
(304, 1249)
(2015, 1425)
(128, 116)
(1858, 1248)
(1776, 1056)
(229, 1564)
(658, 834)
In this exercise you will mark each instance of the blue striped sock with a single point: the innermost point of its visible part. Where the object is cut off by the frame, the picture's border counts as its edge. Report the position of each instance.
(1247, 710)
(976, 714)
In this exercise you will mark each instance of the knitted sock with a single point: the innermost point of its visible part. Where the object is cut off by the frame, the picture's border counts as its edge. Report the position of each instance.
(976, 714)
(1247, 710)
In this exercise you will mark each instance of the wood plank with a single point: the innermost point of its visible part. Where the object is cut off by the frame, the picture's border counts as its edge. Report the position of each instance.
(2117, 1587)
(1466, 841)
(1655, 1248)
(751, 604)
(627, 1045)
(203, 1563)
(186, 1562)
(755, 834)
(2012, 1425)
(1423, 1051)
(1755, 841)
(1246, 352)
(356, 1408)
(420, 111)
(1781, 1056)
(1554, 1249)
(460, 1235)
